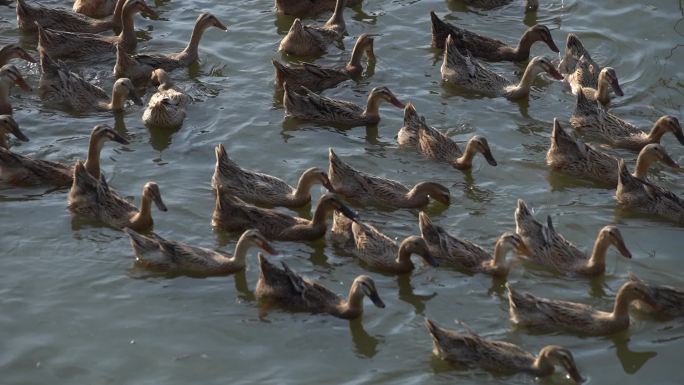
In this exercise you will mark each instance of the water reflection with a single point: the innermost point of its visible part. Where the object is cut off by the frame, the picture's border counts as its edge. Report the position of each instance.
(160, 138)
(407, 295)
(631, 361)
(365, 345)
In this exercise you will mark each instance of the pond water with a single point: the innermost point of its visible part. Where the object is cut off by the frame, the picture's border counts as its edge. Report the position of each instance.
(73, 310)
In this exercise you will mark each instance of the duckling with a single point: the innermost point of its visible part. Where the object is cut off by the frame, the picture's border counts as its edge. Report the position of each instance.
(463, 70)
(21, 170)
(487, 48)
(592, 119)
(263, 189)
(9, 76)
(472, 351)
(375, 191)
(61, 19)
(14, 51)
(317, 78)
(310, 106)
(607, 80)
(375, 249)
(156, 253)
(573, 157)
(166, 108)
(291, 291)
(59, 44)
(668, 300)
(549, 248)
(545, 314)
(140, 66)
(639, 195)
(465, 255)
(312, 40)
(416, 134)
(93, 199)
(307, 8)
(577, 64)
(59, 85)
(530, 5)
(236, 216)
(95, 8)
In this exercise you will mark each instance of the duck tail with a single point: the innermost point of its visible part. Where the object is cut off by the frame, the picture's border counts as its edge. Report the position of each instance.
(23, 10)
(440, 31)
(412, 120)
(46, 63)
(139, 242)
(280, 73)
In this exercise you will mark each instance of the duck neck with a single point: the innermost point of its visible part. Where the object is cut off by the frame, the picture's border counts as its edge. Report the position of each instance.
(3, 140)
(622, 301)
(190, 51)
(542, 367)
(644, 162)
(465, 161)
(404, 256)
(143, 218)
(417, 196)
(500, 252)
(354, 66)
(303, 190)
(320, 216)
(523, 88)
(127, 35)
(92, 163)
(118, 101)
(5, 106)
(337, 17)
(241, 252)
(353, 306)
(602, 93)
(655, 134)
(118, 14)
(372, 111)
(597, 260)
(524, 45)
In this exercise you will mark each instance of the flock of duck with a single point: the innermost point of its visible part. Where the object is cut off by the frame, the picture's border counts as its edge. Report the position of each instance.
(245, 198)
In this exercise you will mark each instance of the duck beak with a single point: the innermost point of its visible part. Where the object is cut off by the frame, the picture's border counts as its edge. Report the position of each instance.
(268, 248)
(427, 257)
(574, 374)
(667, 159)
(554, 73)
(678, 134)
(487, 153)
(118, 138)
(135, 98)
(18, 134)
(395, 102)
(616, 87)
(376, 300)
(160, 204)
(622, 248)
(220, 26)
(549, 41)
(347, 212)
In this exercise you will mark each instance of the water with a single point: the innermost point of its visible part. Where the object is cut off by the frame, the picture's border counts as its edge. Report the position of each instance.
(74, 312)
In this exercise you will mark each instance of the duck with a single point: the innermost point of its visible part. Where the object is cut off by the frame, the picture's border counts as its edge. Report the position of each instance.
(312, 40)
(234, 215)
(62, 44)
(543, 314)
(433, 144)
(549, 248)
(14, 51)
(607, 80)
(375, 249)
(486, 48)
(371, 190)
(309, 106)
(573, 157)
(166, 108)
(470, 350)
(158, 254)
(668, 300)
(263, 189)
(140, 66)
(530, 5)
(59, 85)
(450, 251)
(636, 194)
(461, 69)
(589, 118)
(9, 126)
(289, 290)
(317, 78)
(92, 198)
(61, 19)
(586, 74)
(9, 77)
(21, 170)
(308, 8)
(95, 8)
